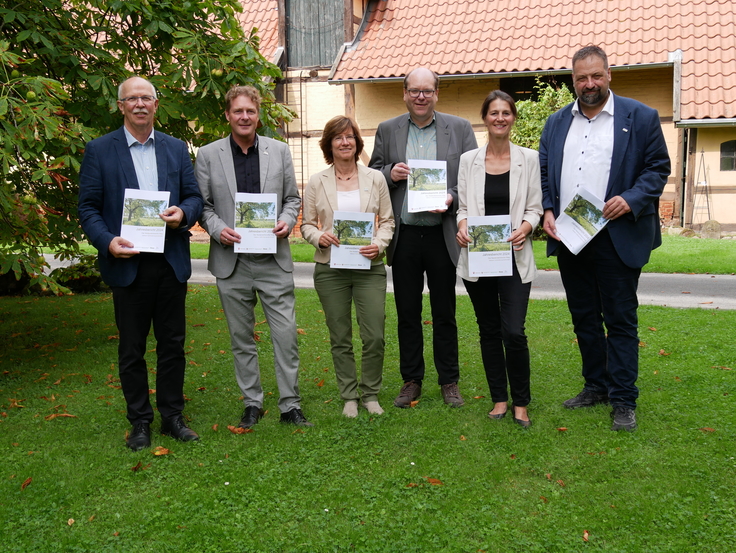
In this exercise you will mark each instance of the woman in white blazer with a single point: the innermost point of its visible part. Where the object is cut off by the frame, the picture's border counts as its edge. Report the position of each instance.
(502, 179)
(347, 186)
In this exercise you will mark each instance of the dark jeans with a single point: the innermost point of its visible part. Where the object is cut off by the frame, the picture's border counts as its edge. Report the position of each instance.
(602, 290)
(157, 297)
(422, 250)
(500, 305)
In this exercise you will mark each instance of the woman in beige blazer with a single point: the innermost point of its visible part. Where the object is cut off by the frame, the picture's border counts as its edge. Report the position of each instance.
(502, 179)
(347, 186)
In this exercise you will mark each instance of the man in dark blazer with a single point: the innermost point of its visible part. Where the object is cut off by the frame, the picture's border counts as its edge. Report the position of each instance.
(147, 287)
(423, 242)
(613, 147)
(246, 162)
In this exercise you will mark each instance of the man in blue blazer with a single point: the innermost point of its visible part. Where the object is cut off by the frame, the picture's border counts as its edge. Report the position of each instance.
(147, 287)
(423, 242)
(613, 147)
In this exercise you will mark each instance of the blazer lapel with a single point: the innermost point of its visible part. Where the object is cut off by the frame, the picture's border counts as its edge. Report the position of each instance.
(514, 175)
(621, 133)
(228, 165)
(558, 149)
(478, 180)
(401, 135)
(162, 168)
(263, 162)
(443, 136)
(329, 184)
(365, 189)
(126, 160)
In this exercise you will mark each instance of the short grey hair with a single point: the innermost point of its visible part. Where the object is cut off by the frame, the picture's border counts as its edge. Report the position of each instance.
(120, 86)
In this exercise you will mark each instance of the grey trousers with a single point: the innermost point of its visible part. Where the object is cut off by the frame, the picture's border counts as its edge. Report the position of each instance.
(259, 276)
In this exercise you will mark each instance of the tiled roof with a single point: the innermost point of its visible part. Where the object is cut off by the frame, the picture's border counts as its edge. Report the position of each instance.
(264, 15)
(457, 37)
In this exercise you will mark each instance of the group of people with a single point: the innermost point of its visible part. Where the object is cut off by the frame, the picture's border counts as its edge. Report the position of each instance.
(612, 146)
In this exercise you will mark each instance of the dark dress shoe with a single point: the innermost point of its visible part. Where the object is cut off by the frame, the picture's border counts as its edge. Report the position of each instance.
(177, 428)
(251, 416)
(295, 416)
(139, 437)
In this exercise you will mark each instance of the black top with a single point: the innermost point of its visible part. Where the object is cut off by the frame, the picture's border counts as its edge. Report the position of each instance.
(497, 194)
(247, 167)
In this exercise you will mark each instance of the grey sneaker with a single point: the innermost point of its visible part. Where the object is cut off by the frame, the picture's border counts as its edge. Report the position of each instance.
(409, 392)
(585, 399)
(624, 418)
(451, 395)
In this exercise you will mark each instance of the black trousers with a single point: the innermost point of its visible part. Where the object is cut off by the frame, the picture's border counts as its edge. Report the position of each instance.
(422, 250)
(601, 290)
(500, 305)
(157, 297)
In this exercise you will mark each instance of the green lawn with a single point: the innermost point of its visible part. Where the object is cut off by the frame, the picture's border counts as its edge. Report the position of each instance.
(422, 480)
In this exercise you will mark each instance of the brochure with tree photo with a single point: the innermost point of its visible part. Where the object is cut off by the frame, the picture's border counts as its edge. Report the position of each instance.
(354, 230)
(489, 252)
(581, 220)
(255, 219)
(427, 185)
(141, 223)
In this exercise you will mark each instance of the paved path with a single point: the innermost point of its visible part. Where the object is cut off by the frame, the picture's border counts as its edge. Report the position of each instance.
(671, 290)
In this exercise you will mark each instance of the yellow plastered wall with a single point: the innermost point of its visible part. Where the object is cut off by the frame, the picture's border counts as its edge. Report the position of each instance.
(722, 184)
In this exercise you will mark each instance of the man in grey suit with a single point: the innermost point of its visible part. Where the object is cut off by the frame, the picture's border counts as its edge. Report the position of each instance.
(423, 242)
(246, 162)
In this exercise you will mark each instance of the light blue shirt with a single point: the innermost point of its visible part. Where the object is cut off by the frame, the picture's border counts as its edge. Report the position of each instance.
(144, 160)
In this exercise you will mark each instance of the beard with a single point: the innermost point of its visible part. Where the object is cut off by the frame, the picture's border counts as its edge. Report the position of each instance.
(592, 97)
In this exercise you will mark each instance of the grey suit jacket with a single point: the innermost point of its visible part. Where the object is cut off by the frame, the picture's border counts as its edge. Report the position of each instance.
(215, 172)
(454, 137)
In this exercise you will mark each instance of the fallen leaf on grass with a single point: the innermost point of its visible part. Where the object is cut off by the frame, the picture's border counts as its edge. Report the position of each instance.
(433, 481)
(478, 397)
(652, 329)
(298, 431)
(15, 403)
(116, 534)
(513, 456)
(662, 352)
(678, 379)
(215, 427)
(562, 429)
(321, 383)
(90, 519)
(200, 324)
(414, 403)
(201, 389)
(585, 535)
(722, 368)
(113, 337)
(158, 450)
(707, 429)
(642, 344)
(139, 466)
(70, 521)
(463, 438)
(428, 322)
(239, 430)
(301, 331)
(54, 415)
(27, 481)
(549, 476)
(412, 485)
(561, 483)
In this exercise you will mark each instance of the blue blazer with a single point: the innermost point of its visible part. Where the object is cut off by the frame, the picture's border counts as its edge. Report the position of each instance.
(640, 166)
(107, 170)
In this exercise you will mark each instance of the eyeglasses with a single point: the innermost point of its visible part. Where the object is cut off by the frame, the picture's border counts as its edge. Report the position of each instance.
(134, 99)
(415, 92)
(348, 137)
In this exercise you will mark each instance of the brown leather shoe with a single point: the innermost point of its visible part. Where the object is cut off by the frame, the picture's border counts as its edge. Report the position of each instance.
(409, 392)
(451, 395)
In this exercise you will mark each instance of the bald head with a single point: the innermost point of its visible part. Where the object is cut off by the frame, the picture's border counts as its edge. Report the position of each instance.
(420, 94)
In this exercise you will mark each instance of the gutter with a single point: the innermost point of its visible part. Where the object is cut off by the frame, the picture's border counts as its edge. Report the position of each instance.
(500, 74)
(710, 123)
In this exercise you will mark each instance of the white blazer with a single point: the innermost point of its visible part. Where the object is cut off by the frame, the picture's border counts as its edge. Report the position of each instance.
(525, 194)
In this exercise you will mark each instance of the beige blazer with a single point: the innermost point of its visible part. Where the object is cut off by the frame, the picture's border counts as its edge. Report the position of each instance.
(525, 193)
(320, 202)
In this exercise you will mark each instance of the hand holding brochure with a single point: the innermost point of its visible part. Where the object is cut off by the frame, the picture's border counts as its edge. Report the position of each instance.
(427, 185)
(581, 220)
(489, 252)
(354, 230)
(141, 223)
(255, 219)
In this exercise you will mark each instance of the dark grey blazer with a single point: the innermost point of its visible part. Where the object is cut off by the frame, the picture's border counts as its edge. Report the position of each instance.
(454, 137)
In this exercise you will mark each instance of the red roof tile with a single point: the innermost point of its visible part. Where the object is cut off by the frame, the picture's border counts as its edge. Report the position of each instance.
(263, 15)
(458, 37)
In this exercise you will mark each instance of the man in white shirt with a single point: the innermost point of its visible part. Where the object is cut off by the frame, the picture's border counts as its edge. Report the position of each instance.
(613, 147)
